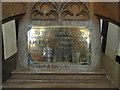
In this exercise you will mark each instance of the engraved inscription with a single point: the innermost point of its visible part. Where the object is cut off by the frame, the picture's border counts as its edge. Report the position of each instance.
(59, 45)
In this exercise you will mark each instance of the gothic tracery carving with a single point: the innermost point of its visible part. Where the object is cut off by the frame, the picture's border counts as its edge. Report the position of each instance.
(46, 10)
(60, 11)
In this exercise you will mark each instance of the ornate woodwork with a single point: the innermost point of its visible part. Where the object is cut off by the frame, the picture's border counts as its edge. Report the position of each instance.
(60, 11)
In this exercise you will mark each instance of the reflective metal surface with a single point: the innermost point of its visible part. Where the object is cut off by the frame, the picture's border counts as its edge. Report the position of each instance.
(59, 44)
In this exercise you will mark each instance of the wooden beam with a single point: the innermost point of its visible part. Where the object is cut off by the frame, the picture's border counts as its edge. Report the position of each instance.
(108, 11)
(10, 9)
(12, 18)
(108, 19)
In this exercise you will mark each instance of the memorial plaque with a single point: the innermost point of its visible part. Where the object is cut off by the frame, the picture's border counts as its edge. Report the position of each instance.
(59, 45)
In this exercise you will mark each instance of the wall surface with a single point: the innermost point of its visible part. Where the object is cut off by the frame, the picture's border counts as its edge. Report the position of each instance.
(112, 41)
(12, 8)
(111, 68)
(8, 66)
(119, 55)
(109, 63)
(109, 10)
(119, 76)
(0, 46)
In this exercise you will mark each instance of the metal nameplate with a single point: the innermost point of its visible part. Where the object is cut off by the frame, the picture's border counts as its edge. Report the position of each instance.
(59, 45)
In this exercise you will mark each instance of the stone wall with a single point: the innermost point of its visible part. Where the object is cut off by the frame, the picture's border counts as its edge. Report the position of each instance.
(95, 36)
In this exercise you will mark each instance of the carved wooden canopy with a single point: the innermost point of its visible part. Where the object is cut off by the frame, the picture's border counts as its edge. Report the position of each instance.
(60, 11)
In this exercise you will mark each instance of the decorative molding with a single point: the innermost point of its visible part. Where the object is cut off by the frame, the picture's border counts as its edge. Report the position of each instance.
(44, 10)
(75, 10)
(60, 11)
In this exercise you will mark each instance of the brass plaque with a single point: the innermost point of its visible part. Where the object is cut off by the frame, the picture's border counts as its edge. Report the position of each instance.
(59, 45)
